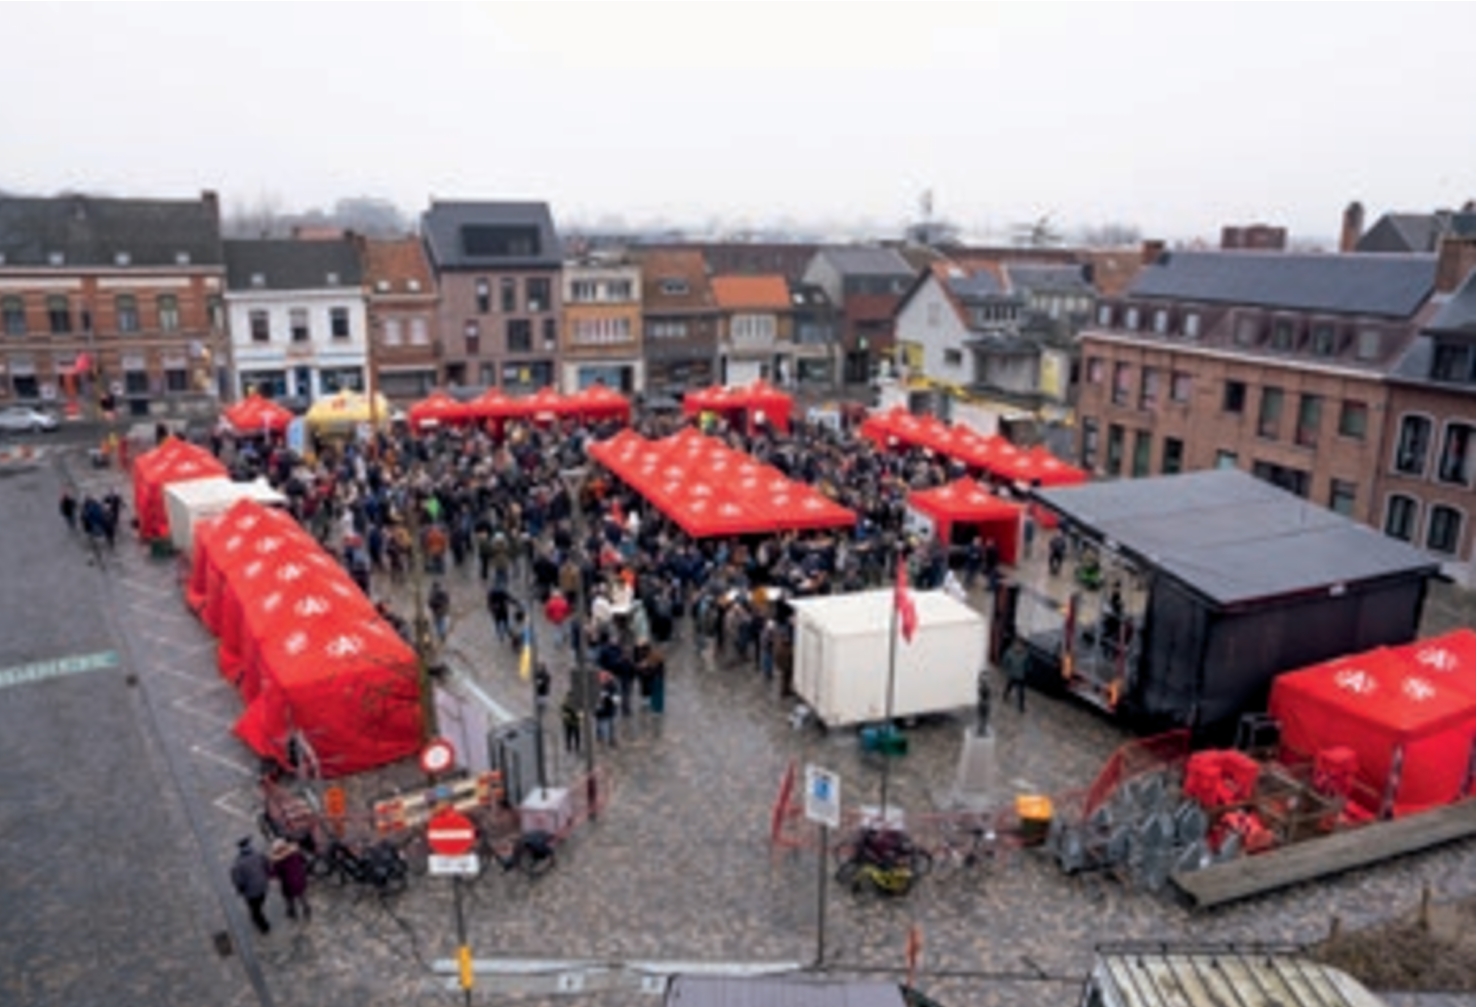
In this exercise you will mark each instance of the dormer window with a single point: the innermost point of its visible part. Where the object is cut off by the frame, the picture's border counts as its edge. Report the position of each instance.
(1161, 321)
(382, 286)
(1283, 335)
(414, 286)
(1322, 339)
(122, 259)
(1132, 319)
(1106, 315)
(182, 258)
(55, 259)
(1368, 344)
(331, 279)
(1248, 330)
(674, 286)
(1191, 325)
(259, 280)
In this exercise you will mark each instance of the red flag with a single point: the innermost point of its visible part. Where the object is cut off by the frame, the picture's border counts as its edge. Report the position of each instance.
(908, 614)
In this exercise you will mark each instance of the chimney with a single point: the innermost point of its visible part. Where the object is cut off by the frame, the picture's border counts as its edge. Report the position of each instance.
(1151, 251)
(1455, 263)
(212, 202)
(1352, 226)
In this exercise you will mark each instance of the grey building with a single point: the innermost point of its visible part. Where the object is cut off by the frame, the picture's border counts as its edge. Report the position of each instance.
(865, 283)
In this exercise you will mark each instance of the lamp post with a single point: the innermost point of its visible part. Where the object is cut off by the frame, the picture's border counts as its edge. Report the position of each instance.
(574, 480)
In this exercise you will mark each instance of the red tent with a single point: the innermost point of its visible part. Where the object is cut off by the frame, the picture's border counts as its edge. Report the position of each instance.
(1401, 725)
(174, 461)
(438, 409)
(303, 644)
(1448, 660)
(544, 406)
(743, 404)
(600, 403)
(964, 503)
(256, 415)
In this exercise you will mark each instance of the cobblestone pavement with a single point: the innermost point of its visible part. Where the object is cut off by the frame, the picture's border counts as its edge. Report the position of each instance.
(679, 868)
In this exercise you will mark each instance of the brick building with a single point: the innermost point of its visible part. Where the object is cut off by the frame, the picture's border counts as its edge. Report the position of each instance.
(1424, 490)
(112, 302)
(498, 269)
(602, 337)
(405, 343)
(865, 284)
(1276, 363)
(680, 322)
(755, 329)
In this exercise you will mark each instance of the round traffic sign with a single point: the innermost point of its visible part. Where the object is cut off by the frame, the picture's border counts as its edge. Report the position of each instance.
(450, 833)
(437, 756)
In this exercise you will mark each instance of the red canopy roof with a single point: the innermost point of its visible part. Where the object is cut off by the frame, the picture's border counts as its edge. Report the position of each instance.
(1377, 703)
(1448, 660)
(174, 461)
(493, 404)
(254, 414)
(438, 408)
(995, 455)
(757, 397)
(964, 500)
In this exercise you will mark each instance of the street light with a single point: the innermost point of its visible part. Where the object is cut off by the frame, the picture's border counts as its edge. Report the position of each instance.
(574, 480)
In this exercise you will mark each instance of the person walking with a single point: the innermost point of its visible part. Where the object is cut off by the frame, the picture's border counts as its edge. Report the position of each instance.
(250, 876)
(290, 867)
(67, 505)
(440, 605)
(606, 710)
(570, 721)
(1014, 664)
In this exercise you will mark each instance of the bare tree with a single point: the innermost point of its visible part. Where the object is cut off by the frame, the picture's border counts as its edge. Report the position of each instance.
(1040, 233)
(1114, 234)
(261, 218)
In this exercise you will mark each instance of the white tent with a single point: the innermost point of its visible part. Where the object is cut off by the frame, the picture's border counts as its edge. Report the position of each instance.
(190, 502)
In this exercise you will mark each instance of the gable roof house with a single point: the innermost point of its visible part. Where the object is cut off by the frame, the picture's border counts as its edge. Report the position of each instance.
(755, 329)
(865, 283)
(679, 319)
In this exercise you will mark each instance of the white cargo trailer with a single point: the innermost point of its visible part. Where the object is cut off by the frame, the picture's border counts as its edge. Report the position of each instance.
(841, 656)
(189, 503)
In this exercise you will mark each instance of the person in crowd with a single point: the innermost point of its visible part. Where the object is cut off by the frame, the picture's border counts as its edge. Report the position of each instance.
(251, 876)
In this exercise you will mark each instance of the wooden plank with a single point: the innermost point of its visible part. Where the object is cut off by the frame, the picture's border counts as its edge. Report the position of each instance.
(1315, 858)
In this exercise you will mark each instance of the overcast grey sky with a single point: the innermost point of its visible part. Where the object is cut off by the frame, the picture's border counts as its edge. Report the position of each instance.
(1176, 117)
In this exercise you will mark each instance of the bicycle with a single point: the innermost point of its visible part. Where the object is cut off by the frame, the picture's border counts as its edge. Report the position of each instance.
(532, 852)
(380, 866)
(859, 875)
(970, 844)
(884, 848)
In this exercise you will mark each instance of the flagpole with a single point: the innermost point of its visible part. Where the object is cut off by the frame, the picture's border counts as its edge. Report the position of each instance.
(888, 699)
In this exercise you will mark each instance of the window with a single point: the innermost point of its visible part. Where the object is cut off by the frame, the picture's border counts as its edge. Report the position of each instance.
(339, 323)
(508, 294)
(1307, 430)
(954, 358)
(1132, 318)
(261, 326)
(1089, 451)
(1172, 451)
(1342, 497)
(1120, 393)
(1181, 386)
(259, 280)
(25, 386)
(169, 313)
(1248, 329)
(1453, 362)
(1368, 344)
(1161, 321)
(13, 311)
(58, 314)
(1456, 460)
(391, 332)
(136, 382)
(536, 290)
(419, 332)
(1234, 394)
(667, 330)
(1150, 388)
(520, 335)
(1270, 412)
(1140, 457)
(673, 286)
(1412, 445)
(1283, 336)
(176, 380)
(1401, 517)
(127, 308)
(1353, 420)
(1106, 315)
(1444, 525)
(1095, 371)
(584, 290)
(1226, 459)
(550, 331)
(1191, 325)
(298, 325)
(1114, 450)
(471, 337)
(483, 293)
(1290, 480)
(618, 290)
(1322, 339)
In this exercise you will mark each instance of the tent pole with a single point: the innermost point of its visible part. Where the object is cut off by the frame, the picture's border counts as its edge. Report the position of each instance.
(888, 699)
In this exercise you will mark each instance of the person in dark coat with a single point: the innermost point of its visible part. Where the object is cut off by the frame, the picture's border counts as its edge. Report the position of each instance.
(1014, 664)
(250, 876)
(68, 508)
(290, 867)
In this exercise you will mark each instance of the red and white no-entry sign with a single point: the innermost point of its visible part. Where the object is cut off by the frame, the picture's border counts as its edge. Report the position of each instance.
(450, 834)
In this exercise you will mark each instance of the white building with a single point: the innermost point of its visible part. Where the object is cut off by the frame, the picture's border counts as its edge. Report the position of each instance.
(297, 316)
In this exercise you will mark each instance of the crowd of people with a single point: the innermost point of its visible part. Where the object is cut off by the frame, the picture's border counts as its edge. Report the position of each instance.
(523, 509)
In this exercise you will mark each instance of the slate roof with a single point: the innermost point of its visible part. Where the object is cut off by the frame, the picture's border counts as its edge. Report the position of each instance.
(976, 284)
(808, 295)
(1457, 316)
(1454, 318)
(867, 260)
(92, 231)
(291, 265)
(1402, 232)
(1049, 278)
(1393, 286)
(397, 262)
(1232, 538)
(446, 229)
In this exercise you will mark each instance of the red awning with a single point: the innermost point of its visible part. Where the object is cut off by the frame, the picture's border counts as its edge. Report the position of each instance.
(436, 409)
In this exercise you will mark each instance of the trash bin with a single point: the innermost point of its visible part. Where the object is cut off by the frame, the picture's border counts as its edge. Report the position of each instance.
(1035, 812)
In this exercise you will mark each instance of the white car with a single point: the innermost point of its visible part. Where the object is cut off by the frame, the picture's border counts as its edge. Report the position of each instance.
(24, 419)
